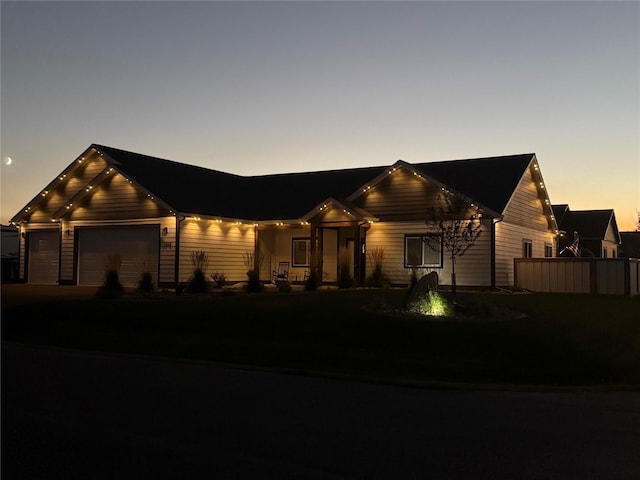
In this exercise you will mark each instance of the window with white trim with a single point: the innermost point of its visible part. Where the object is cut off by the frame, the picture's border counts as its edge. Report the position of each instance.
(423, 251)
(548, 250)
(527, 248)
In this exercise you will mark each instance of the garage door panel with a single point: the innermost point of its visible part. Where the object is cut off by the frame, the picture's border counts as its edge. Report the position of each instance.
(136, 248)
(44, 257)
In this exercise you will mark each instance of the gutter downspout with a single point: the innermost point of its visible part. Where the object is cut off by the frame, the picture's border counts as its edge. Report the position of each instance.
(176, 267)
(493, 250)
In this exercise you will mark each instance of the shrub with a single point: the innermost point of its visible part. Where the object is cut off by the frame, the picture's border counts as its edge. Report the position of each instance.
(311, 283)
(219, 279)
(345, 280)
(433, 304)
(111, 288)
(377, 277)
(253, 284)
(284, 287)
(145, 284)
(253, 262)
(198, 283)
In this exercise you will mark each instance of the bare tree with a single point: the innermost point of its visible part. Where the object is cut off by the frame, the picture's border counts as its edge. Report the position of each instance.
(458, 225)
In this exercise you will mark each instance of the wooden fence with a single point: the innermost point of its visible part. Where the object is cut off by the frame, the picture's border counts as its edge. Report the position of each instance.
(615, 276)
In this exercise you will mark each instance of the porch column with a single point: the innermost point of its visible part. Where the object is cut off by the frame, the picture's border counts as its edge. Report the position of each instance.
(316, 252)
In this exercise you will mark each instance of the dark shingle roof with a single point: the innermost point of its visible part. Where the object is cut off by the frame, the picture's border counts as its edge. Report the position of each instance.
(590, 224)
(197, 190)
(489, 181)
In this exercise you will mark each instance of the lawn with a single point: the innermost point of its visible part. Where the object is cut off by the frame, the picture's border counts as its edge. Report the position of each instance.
(564, 340)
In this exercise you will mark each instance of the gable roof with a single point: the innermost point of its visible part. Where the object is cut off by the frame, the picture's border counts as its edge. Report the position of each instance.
(189, 189)
(590, 224)
(489, 181)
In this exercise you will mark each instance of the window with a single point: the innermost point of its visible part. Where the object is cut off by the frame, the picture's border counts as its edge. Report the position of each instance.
(548, 250)
(614, 253)
(604, 252)
(300, 252)
(423, 251)
(527, 248)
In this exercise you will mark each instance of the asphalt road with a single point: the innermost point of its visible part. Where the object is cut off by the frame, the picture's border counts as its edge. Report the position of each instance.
(72, 415)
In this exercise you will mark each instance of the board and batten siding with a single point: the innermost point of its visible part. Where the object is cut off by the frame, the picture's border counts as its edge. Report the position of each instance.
(166, 262)
(226, 243)
(400, 196)
(472, 269)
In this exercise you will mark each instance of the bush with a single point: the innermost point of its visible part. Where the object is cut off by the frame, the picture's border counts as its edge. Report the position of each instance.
(377, 277)
(219, 279)
(111, 288)
(433, 305)
(253, 284)
(311, 283)
(284, 287)
(197, 283)
(345, 280)
(145, 284)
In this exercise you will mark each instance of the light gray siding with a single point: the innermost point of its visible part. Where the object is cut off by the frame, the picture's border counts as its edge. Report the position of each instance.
(225, 242)
(472, 269)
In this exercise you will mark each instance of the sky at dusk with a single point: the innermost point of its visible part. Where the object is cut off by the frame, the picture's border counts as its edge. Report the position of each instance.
(272, 87)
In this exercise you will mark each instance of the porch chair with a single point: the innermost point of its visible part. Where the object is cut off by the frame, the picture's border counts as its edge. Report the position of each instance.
(282, 274)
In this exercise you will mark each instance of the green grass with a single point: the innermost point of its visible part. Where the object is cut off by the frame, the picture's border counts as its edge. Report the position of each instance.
(565, 340)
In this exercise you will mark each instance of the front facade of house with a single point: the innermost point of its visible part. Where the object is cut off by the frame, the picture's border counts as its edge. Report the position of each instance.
(150, 214)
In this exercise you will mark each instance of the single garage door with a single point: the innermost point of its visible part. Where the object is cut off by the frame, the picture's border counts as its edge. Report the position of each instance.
(44, 257)
(136, 247)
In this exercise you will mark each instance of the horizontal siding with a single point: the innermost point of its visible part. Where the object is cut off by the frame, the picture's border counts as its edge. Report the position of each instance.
(401, 196)
(509, 239)
(472, 269)
(115, 199)
(525, 207)
(66, 188)
(225, 243)
(166, 262)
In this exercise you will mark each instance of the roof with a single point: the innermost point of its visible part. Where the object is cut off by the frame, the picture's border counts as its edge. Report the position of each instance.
(187, 188)
(590, 224)
(559, 212)
(489, 181)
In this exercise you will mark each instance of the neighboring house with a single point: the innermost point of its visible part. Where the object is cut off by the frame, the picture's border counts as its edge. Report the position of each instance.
(155, 213)
(596, 231)
(630, 244)
(10, 246)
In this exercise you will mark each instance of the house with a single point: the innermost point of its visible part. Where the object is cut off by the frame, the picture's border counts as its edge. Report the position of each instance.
(10, 245)
(596, 231)
(154, 214)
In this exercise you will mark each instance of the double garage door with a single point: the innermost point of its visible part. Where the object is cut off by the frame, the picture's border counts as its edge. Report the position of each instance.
(136, 249)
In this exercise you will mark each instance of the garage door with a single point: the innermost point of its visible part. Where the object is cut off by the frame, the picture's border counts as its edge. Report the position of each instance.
(136, 248)
(44, 257)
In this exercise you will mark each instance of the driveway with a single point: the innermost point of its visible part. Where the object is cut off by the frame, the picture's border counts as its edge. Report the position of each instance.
(74, 415)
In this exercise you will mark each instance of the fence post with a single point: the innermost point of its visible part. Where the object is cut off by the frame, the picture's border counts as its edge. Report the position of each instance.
(593, 276)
